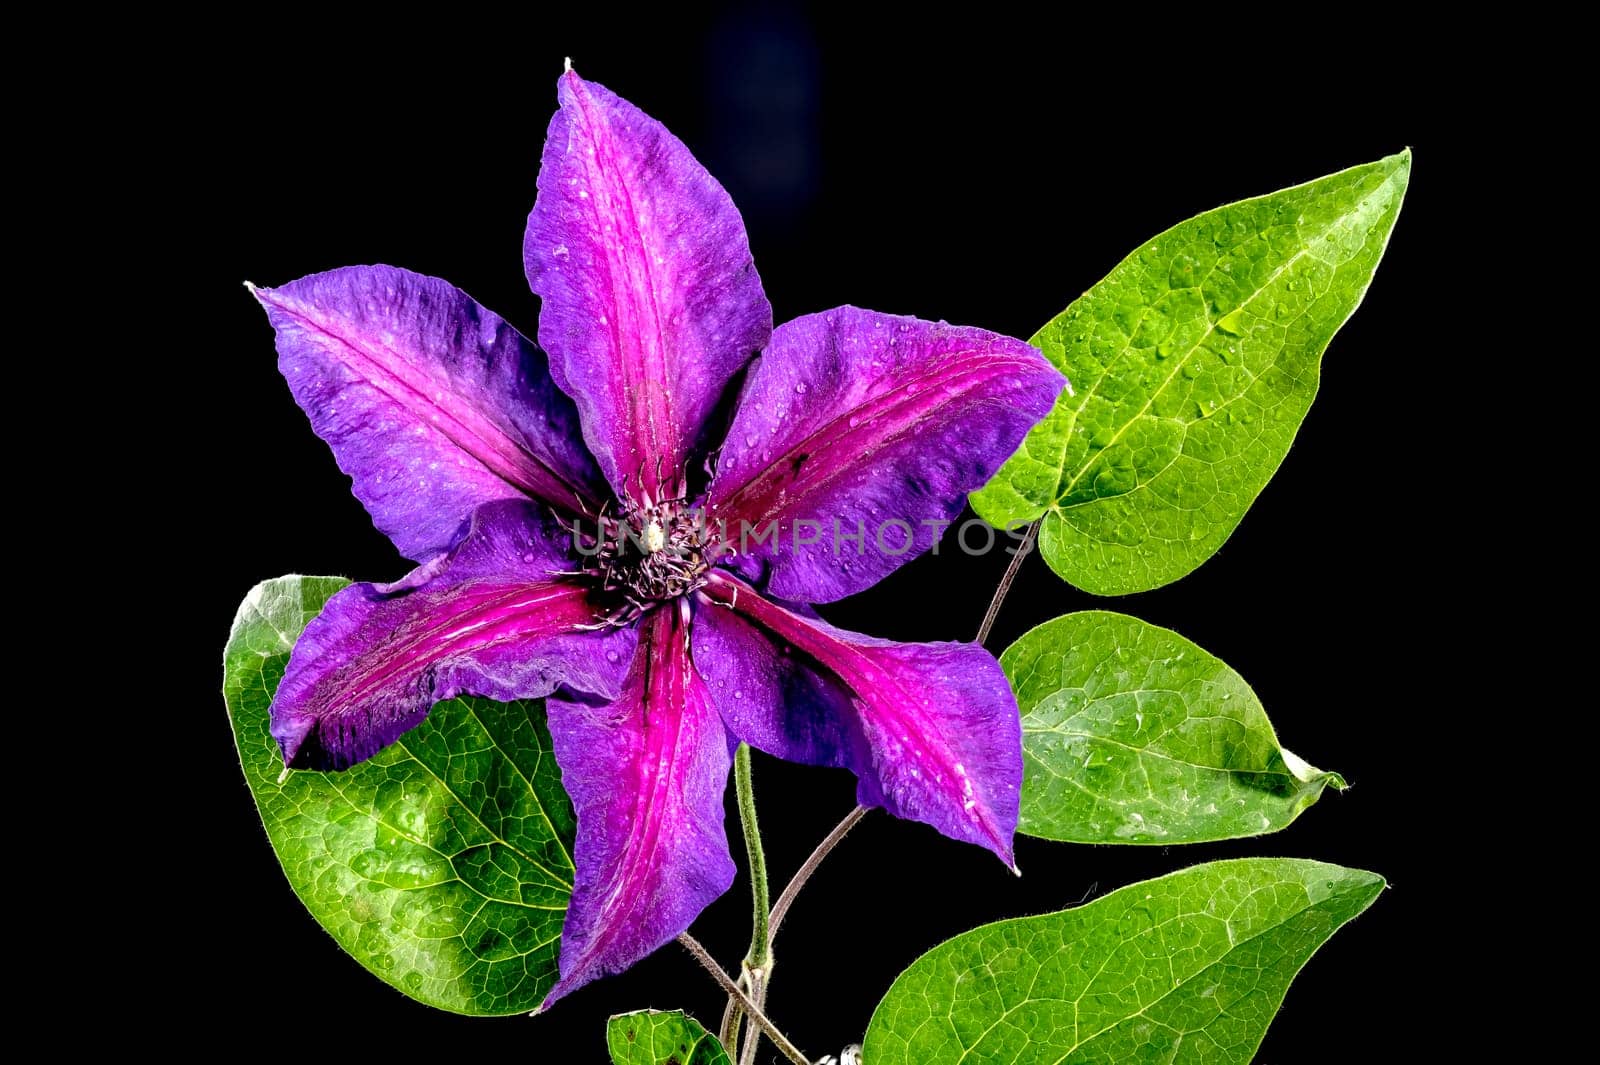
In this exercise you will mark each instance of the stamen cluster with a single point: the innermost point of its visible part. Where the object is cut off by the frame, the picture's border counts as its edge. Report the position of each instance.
(657, 551)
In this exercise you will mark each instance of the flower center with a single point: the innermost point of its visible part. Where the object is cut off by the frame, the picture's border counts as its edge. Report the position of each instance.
(656, 552)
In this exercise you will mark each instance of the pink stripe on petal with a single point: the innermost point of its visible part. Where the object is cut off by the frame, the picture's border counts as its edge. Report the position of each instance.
(646, 774)
(651, 299)
(874, 427)
(432, 404)
(931, 730)
(491, 618)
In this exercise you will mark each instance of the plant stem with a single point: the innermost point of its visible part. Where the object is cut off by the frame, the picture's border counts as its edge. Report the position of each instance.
(1005, 582)
(758, 959)
(728, 1030)
(757, 980)
(830, 841)
(759, 955)
(751, 1010)
(758, 995)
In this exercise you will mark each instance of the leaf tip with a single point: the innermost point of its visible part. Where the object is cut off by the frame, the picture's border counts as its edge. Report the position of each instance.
(1399, 166)
(1369, 887)
(1360, 883)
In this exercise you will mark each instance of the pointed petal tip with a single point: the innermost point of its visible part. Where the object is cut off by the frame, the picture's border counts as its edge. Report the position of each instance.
(569, 81)
(290, 734)
(564, 986)
(1004, 849)
(260, 293)
(265, 295)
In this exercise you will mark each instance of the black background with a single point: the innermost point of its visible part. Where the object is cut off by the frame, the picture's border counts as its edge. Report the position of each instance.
(982, 174)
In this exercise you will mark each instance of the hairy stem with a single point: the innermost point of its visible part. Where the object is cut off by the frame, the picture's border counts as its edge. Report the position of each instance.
(757, 980)
(758, 994)
(758, 959)
(750, 1009)
(759, 955)
(1005, 582)
(728, 1030)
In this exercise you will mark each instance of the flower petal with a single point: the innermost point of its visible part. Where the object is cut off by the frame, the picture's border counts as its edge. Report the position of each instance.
(646, 775)
(651, 300)
(931, 729)
(874, 428)
(491, 618)
(432, 404)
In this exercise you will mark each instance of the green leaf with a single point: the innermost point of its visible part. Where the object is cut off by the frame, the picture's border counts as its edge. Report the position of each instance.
(1192, 365)
(443, 865)
(650, 1037)
(1132, 734)
(1188, 968)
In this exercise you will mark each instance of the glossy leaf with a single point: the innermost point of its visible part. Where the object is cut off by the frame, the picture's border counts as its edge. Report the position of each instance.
(1132, 734)
(442, 864)
(653, 1037)
(1193, 364)
(1185, 969)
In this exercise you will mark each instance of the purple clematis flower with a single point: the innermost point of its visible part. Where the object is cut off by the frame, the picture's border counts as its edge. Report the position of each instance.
(664, 636)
